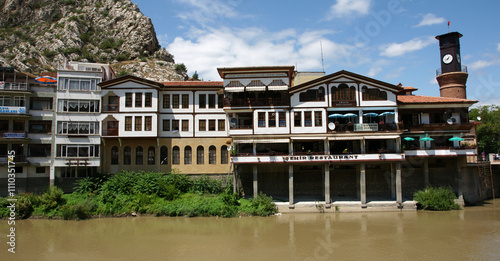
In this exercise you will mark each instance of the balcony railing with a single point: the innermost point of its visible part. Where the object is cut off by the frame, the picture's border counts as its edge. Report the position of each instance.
(17, 159)
(439, 71)
(438, 126)
(367, 127)
(110, 108)
(14, 86)
(254, 102)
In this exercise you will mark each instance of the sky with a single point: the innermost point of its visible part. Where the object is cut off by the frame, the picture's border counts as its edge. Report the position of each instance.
(388, 40)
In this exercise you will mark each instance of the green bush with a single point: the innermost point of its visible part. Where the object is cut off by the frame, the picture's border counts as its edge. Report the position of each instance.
(52, 199)
(439, 199)
(205, 184)
(262, 205)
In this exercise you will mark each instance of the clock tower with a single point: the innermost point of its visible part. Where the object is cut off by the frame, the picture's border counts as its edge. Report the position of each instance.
(452, 76)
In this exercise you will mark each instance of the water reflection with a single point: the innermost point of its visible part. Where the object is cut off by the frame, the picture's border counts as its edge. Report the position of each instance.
(469, 234)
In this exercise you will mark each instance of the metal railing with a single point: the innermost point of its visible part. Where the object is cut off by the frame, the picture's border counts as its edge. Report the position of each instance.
(14, 86)
(440, 71)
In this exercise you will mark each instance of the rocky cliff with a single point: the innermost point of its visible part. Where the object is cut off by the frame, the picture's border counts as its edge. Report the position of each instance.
(38, 35)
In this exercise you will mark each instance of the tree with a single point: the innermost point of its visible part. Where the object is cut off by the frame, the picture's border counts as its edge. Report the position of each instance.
(195, 76)
(180, 67)
(488, 133)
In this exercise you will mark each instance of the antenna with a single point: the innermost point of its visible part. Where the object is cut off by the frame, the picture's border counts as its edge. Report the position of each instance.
(322, 63)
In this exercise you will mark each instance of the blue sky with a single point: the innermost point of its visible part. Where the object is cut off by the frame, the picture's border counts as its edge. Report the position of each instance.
(390, 40)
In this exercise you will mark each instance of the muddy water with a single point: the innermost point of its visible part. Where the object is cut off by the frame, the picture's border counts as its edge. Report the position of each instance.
(473, 233)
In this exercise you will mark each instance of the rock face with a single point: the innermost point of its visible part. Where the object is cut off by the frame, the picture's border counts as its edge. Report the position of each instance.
(38, 35)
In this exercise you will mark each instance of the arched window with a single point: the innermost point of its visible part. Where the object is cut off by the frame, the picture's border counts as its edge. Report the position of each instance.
(187, 155)
(373, 94)
(176, 157)
(163, 155)
(212, 155)
(139, 156)
(127, 155)
(151, 155)
(200, 155)
(224, 155)
(312, 95)
(343, 93)
(114, 155)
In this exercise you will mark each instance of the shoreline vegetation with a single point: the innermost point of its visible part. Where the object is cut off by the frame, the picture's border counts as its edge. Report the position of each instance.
(139, 193)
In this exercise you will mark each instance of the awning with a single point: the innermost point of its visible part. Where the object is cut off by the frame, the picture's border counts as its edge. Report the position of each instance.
(307, 138)
(284, 140)
(346, 138)
(234, 89)
(271, 140)
(381, 137)
(255, 88)
(277, 88)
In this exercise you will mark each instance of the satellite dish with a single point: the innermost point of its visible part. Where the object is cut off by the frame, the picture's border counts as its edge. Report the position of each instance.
(478, 118)
(233, 122)
(331, 126)
(449, 121)
(228, 148)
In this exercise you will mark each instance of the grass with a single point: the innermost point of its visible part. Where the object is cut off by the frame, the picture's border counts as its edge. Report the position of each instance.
(436, 199)
(147, 193)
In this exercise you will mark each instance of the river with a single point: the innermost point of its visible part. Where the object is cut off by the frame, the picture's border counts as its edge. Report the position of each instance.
(470, 234)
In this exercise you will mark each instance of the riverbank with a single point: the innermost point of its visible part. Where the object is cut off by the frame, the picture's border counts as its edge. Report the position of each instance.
(139, 193)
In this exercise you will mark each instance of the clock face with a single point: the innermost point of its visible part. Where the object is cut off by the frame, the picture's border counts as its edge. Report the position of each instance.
(447, 58)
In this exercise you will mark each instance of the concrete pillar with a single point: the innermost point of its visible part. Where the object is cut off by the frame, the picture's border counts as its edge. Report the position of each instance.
(327, 147)
(235, 178)
(363, 146)
(327, 183)
(290, 148)
(290, 185)
(52, 175)
(393, 181)
(426, 172)
(399, 191)
(362, 184)
(459, 178)
(254, 149)
(255, 183)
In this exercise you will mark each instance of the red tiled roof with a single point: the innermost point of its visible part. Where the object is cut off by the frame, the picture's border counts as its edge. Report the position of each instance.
(193, 83)
(406, 99)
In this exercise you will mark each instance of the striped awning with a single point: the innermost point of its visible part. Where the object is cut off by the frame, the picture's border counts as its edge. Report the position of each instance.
(346, 138)
(277, 88)
(381, 137)
(255, 88)
(234, 89)
(284, 140)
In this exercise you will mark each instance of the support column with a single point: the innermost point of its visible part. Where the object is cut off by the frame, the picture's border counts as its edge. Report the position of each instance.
(290, 186)
(235, 178)
(327, 183)
(459, 178)
(362, 184)
(255, 183)
(426, 172)
(393, 181)
(399, 191)
(254, 149)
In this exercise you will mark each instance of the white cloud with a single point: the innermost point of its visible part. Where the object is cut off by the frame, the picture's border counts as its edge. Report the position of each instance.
(430, 19)
(480, 64)
(205, 50)
(377, 67)
(398, 49)
(349, 8)
(498, 47)
(204, 11)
